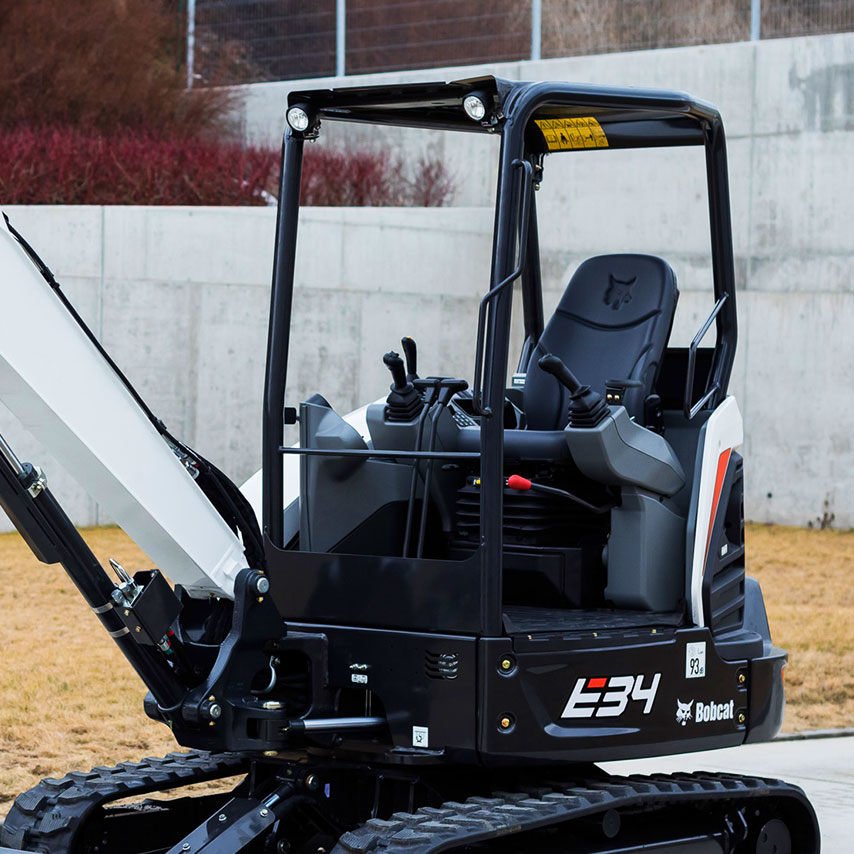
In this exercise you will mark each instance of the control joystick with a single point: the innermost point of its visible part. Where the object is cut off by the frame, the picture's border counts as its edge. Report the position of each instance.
(403, 403)
(586, 407)
(411, 353)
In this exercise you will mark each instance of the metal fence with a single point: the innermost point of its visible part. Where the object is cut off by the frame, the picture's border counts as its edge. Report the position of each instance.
(244, 41)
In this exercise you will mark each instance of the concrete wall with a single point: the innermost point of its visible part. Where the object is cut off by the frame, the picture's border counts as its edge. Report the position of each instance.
(180, 296)
(788, 106)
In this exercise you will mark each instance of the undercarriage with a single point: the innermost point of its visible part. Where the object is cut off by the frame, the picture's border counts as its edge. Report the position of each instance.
(331, 805)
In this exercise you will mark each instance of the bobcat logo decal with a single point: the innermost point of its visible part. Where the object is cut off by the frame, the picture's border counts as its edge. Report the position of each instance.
(683, 712)
(618, 292)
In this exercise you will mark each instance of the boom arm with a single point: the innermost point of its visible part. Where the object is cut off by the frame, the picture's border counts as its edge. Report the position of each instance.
(57, 383)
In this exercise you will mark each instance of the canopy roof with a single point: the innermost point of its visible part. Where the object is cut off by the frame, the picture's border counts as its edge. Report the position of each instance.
(562, 116)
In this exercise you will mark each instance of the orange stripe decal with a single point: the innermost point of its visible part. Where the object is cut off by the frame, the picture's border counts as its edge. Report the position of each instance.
(723, 462)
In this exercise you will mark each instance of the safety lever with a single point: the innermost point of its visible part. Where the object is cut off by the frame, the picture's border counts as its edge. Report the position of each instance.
(523, 484)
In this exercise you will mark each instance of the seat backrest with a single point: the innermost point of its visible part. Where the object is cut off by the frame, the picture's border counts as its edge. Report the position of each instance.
(612, 323)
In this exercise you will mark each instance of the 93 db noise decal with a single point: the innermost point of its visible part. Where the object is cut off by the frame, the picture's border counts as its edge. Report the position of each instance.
(608, 696)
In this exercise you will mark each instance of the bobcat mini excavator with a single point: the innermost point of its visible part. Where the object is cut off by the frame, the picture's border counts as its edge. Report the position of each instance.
(459, 598)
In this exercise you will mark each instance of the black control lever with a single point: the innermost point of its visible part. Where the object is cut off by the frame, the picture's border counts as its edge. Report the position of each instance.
(398, 375)
(403, 403)
(586, 407)
(554, 365)
(411, 353)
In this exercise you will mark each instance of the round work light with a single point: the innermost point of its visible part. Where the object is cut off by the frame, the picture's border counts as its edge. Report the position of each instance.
(474, 107)
(298, 119)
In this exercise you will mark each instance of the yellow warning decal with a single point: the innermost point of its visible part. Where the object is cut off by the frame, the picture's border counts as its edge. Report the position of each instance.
(567, 134)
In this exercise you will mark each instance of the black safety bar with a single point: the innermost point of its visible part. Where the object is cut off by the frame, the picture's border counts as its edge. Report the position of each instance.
(687, 408)
(394, 455)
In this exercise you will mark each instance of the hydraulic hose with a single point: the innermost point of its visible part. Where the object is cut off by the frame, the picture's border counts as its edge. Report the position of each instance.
(54, 539)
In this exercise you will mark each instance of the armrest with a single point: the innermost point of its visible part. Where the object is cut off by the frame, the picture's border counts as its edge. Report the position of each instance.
(619, 452)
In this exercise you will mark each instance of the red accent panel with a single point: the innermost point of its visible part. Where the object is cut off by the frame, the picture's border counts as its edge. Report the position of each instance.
(723, 462)
(597, 683)
(516, 481)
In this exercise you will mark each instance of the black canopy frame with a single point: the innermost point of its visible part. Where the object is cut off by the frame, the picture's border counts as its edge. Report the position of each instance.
(629, 118)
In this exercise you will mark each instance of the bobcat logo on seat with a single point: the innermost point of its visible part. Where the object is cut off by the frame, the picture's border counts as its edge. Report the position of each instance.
(618, 292)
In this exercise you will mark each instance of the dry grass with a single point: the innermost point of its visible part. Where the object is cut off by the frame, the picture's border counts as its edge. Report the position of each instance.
(69, 700)
(808, 585)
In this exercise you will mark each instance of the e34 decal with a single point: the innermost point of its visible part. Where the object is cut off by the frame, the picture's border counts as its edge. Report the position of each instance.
(608, 696)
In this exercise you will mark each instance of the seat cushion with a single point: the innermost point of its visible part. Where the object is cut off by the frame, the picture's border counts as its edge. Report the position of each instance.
(612, 322)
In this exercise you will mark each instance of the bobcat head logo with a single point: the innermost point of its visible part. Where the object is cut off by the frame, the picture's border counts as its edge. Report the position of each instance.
(683, 712)
(619, 291)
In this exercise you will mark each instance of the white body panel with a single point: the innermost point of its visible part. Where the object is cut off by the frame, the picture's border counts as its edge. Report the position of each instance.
(722, 433)
(58, 385)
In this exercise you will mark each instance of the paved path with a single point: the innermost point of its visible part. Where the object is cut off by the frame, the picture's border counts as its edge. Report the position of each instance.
(822, 767)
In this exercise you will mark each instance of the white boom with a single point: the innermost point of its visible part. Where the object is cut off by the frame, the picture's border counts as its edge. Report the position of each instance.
(62, 390)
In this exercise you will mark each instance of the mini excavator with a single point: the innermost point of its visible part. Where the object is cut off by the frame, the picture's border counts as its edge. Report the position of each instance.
(455, 601)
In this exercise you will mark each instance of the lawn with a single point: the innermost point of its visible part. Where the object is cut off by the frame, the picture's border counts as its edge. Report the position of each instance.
(69, 700)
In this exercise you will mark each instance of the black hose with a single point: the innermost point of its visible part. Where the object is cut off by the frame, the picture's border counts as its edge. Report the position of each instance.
(413, 486)
(428, 476)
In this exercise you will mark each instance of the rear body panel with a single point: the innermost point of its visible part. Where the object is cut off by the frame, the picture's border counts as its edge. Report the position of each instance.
(591, 697)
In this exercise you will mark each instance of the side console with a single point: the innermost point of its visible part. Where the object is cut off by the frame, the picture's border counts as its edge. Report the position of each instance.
(645, 555)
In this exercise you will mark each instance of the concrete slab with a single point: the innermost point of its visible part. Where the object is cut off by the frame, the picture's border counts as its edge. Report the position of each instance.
(822, 767)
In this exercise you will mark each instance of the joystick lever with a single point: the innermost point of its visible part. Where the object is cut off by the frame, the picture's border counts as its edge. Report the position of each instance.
(404, 402)
(586, 407)
(398, 375)
(554, 365)
(411, 353)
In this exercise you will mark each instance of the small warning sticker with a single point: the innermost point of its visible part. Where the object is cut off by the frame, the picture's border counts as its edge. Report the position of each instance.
(568, 134)
(420, 736)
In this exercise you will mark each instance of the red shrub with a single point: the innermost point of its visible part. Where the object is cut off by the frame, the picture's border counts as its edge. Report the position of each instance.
(432, 185)
(68, 166)
(338, 177)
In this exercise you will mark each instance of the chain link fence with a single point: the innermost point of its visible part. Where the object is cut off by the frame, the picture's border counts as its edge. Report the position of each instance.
(247, 41)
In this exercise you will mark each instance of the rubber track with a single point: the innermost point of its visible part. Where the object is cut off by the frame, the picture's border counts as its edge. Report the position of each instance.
(434, 829)
(48, 816)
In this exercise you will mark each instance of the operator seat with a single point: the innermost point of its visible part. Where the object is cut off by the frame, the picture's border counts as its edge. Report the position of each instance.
(612, 323)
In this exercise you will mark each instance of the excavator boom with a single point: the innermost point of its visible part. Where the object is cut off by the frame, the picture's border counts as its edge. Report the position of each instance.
(60, 387)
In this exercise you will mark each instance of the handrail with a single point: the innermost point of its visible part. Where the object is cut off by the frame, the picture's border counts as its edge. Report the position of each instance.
(525, 201)
(688, 410)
